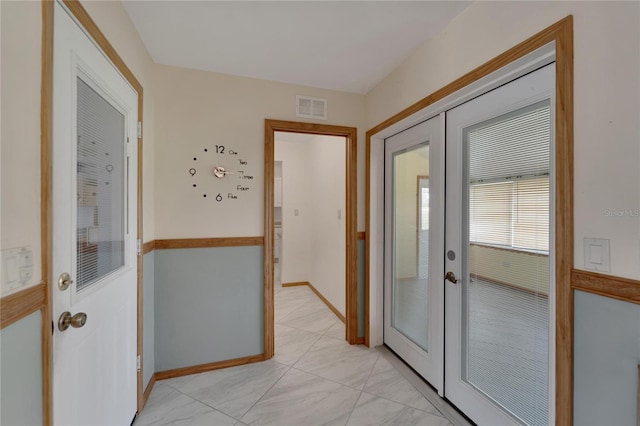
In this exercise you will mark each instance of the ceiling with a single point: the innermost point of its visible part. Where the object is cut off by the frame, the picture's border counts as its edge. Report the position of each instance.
(342, 45)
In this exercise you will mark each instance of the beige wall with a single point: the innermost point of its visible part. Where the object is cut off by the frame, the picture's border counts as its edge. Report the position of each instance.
(516, 268)
(20, 115)
(607, 102)
(20, 128)
(197, 110)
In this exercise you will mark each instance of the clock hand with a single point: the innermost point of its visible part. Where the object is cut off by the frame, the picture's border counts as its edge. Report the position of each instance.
(220, 172)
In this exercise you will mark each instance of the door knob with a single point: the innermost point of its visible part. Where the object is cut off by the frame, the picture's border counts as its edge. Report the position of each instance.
(451, 277)
(64, 281)
(66, 320)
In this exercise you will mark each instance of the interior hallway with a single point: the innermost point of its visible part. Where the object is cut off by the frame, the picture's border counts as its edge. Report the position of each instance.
(315, 378)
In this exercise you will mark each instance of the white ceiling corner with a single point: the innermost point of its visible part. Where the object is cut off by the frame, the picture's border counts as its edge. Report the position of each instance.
(348, 46)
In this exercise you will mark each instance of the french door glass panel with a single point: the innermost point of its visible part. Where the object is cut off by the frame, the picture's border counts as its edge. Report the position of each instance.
(506, 240)
(414, 238)
(499, 234)
(410, 244)
(101, 167)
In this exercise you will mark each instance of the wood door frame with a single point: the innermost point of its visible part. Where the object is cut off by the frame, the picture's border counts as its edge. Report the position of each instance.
(351, 281)
(561, 33)
(46, 121)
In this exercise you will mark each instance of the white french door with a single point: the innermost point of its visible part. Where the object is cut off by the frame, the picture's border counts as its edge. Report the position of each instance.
(414, 235)
(468, 273)
(94, 233)
(499, 314)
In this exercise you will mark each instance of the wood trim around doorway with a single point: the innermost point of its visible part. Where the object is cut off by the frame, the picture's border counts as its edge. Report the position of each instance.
(562, 34)
(351, 279)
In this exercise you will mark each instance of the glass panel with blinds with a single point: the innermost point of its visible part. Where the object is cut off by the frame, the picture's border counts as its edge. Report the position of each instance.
(507, 211)
(101, 176)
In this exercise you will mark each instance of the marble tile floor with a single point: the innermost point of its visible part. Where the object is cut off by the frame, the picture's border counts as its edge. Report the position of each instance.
(315, 378)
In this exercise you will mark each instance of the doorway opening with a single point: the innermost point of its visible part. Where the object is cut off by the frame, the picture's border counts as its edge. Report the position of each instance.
(280, 213)
(309, 246)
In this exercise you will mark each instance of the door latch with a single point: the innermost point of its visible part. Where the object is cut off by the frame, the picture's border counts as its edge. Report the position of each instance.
(451, 277)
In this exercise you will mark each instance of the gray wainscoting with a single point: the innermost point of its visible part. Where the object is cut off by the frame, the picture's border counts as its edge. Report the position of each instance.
(21, 366)
(361, 284)
(606, 357)
(148, 314)
(208, 305)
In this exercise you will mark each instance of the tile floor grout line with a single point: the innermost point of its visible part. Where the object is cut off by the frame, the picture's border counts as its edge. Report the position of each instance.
(220, 411)
(408, 406)
(297, 328)
(327, 379)
(353, 408)
(362, 391)
(266, 392)
(371, 372)
(313, 332)
(380, 356)
(319, 336)
(443, 407)
(202, 402)
(305, 352)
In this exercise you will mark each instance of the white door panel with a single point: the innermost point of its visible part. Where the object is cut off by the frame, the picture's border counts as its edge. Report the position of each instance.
(94, 232)
(414, 235)
(499, 335)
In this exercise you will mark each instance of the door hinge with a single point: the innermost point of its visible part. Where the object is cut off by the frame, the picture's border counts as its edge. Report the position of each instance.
(138, 363)
(139, 129)
(139, 246)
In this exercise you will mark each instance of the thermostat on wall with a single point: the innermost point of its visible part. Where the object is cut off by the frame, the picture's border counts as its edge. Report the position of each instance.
(17, 268)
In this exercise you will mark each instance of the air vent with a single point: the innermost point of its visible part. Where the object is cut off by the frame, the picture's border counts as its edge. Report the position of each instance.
(308, 107)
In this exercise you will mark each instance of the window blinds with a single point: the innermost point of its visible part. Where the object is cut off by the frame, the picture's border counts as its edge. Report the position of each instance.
(507, 163)
(101, 201)
(508, 174)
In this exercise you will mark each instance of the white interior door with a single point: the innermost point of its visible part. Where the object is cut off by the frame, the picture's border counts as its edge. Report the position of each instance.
(499, 313)
(94, 233)
(414, 237)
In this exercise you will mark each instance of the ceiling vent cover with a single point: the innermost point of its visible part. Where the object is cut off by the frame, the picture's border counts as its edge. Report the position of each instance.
(308, 107)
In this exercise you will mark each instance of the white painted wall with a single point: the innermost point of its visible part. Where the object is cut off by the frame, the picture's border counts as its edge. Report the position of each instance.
(314, 246)
(328, 227)
(293, 151)
(606, 101)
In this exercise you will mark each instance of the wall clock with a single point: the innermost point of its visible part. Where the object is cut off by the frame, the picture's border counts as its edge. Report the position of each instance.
(220, 174)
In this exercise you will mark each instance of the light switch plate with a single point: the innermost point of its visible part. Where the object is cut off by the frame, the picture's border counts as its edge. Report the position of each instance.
(597, 255)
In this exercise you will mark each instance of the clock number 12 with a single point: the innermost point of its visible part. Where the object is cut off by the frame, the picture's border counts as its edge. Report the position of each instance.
(219, 149)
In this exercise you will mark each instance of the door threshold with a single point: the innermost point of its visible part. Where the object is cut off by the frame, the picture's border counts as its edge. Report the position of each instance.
(445, 407)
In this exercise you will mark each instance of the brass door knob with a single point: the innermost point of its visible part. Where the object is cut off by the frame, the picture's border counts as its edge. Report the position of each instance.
(451, 277)
(76, 321)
